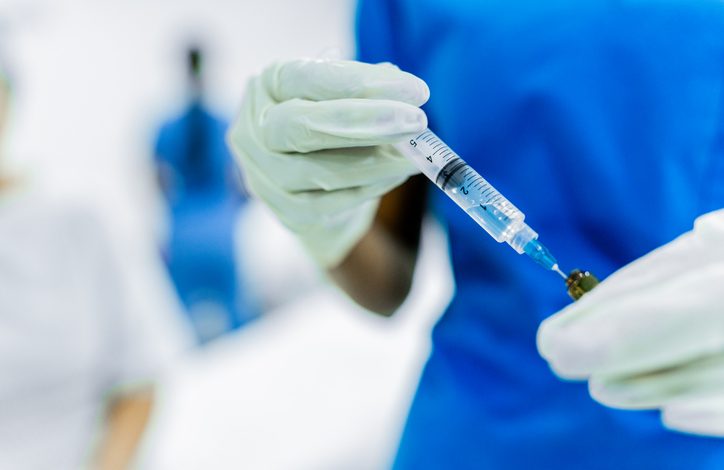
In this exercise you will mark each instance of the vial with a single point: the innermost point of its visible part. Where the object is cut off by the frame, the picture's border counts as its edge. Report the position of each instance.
(579, 282)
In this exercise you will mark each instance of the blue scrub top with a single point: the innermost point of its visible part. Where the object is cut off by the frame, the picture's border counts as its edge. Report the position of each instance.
(603, 121)
(204, 207)
(193, 146)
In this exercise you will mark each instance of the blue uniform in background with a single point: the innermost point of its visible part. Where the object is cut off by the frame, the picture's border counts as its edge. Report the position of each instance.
(204, 206)
(603, 121)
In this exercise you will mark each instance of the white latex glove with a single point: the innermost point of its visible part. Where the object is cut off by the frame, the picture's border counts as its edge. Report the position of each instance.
(652, 335)
(313, 139)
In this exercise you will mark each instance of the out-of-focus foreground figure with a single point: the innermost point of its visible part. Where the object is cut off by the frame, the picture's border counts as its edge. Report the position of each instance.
(200, 182)
(83, 331)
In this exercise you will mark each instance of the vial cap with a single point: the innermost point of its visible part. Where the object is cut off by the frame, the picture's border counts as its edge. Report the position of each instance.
(579, 282)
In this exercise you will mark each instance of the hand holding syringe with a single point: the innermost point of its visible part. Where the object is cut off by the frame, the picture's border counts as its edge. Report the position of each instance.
(313, 138)
(501, 219)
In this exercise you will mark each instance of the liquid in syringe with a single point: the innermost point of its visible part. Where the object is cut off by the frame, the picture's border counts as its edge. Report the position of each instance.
(478, 198)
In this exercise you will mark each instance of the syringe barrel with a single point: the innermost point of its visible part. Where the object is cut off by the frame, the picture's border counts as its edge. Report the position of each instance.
(490, 209)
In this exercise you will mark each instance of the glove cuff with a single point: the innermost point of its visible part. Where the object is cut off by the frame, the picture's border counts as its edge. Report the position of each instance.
(330, 241)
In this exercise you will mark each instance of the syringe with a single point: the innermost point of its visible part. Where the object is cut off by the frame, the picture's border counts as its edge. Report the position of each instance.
(501, 219)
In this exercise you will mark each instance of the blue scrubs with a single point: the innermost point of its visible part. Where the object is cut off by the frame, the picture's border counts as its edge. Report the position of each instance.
(604, 122)
(204, 208)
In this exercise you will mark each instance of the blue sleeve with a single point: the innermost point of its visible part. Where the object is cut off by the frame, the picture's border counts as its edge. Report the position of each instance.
(161, 150)
(384, 30)
(375, 27)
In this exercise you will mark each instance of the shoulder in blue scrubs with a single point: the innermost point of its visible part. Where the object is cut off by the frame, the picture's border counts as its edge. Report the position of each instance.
(604, 122)
(204, 207)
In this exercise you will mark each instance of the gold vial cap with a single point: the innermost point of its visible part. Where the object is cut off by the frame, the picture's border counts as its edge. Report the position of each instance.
(579, 282)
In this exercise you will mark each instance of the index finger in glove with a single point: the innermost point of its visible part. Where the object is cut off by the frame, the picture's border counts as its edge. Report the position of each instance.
(574, 339)
(659, 325)
(321, 80)
(305, 126)
(662, 387)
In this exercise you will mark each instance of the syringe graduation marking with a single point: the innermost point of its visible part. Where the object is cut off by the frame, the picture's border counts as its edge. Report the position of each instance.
(451, 164)
(474, 194)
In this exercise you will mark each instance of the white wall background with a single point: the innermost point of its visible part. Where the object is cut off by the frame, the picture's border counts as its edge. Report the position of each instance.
(94, 78)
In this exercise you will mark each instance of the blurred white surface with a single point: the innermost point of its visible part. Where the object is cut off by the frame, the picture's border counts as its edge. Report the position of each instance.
(315, 384)
(318, 384)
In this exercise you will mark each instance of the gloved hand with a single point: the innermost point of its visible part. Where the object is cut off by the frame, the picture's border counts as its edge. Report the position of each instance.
(314, 141)
(652, 335)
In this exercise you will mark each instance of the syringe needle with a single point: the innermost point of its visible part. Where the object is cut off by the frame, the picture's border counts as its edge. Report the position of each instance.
(557, 269)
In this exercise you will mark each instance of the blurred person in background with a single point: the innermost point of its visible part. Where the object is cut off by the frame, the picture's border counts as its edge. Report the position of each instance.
(201, 185)
(86, 324)
(612, 110)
